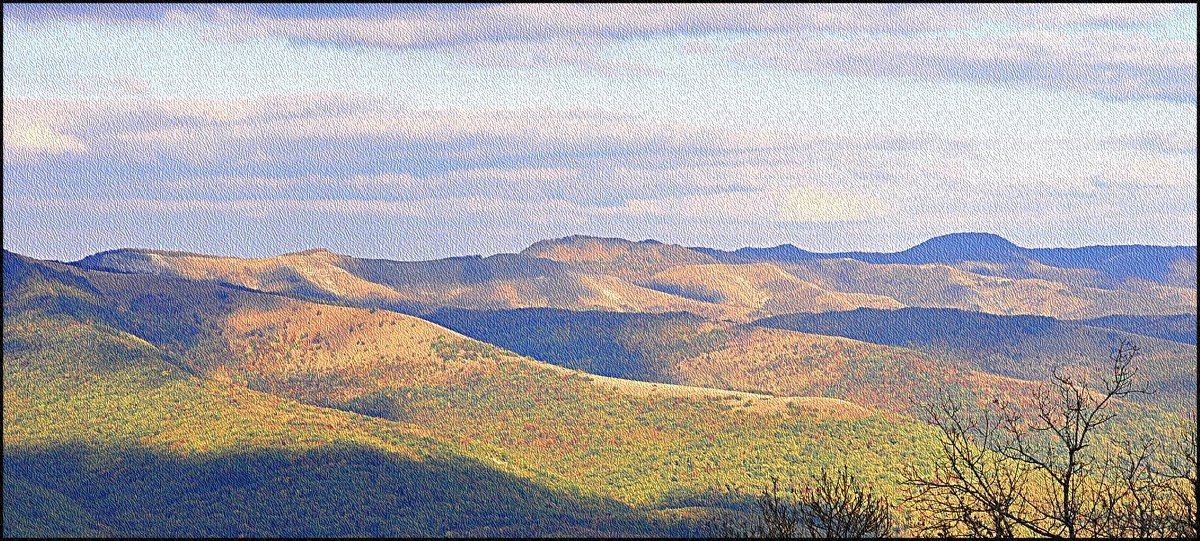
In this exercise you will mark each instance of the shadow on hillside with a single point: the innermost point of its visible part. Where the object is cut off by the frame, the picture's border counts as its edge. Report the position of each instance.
(338, 490)
(615, 344)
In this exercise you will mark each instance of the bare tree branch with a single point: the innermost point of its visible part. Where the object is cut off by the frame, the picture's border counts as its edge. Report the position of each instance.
(1000, 473)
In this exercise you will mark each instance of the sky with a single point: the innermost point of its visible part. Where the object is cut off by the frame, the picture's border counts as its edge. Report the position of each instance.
(420, 132)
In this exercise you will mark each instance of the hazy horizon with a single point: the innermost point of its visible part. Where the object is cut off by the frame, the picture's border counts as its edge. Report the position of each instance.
(400, 257)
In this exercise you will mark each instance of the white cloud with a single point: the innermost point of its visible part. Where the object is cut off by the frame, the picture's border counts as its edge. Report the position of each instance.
(1082, 47)
(1048, 49)
(769, 118)
(544, 22)
(428, 27)
(330, 144)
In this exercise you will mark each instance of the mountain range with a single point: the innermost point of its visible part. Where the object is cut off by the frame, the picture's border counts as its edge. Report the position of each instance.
(966, 271)
(584, 386)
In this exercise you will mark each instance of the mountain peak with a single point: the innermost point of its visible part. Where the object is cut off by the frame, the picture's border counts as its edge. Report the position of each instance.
(957, 247)
(580, 239)
(616, 256)
(589, 243)
(977, 239)
(783, 252)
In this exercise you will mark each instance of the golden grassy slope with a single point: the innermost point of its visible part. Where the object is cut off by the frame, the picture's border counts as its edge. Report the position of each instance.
(317, 272)
(763, 288)
(276, 274)
(637, 442)
(759, 403)
(614, 294)
(356, 351)
(789, 363)
(614, 275)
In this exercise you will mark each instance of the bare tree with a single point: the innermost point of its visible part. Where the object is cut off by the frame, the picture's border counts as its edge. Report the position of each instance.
(834, 505)
(1178, 474)
(1000, 473)
(1133, 496)
(972, 490)
(1068, 501)
(838, 506)
(1151, 485)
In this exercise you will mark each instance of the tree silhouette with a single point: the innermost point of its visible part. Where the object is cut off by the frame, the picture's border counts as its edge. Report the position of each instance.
(1001, 473)
(833, 505)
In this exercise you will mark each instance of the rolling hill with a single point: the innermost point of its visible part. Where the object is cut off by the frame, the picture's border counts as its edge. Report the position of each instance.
(1177, 328)
(616, 257)
(936, 285)
(985, 272)
(106, 435)
(763, 288)
(233, 412)
(499, 281)
(966, 271)
(1023, 347)
(685, 349)
(1170, 265)
(237, 395)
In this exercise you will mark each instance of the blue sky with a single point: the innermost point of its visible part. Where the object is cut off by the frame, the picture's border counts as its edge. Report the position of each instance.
(422, 132)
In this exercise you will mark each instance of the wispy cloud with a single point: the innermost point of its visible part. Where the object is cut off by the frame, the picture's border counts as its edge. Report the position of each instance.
(1104, 63)
(1079, 47)
(426, 27)
(331, 146)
